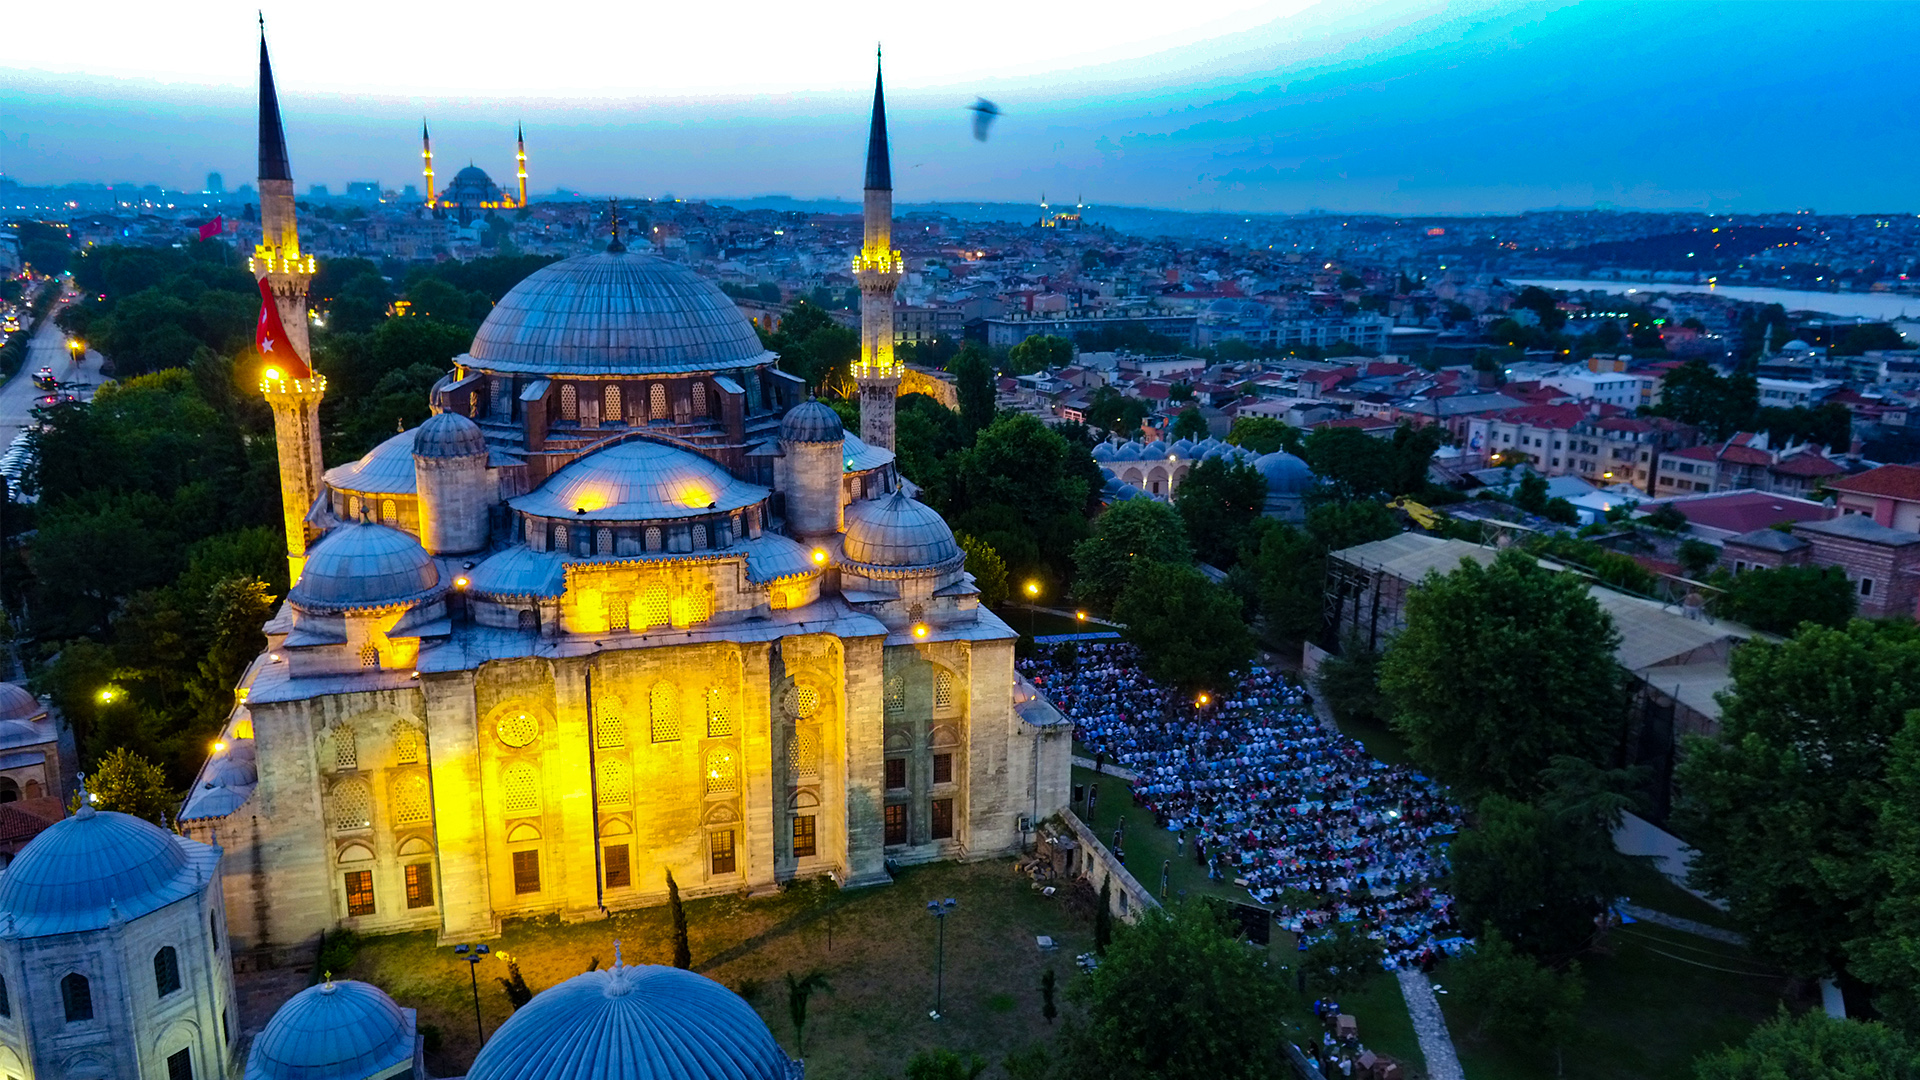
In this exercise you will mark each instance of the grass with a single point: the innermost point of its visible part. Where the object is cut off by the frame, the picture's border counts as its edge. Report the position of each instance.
(1659, 1002)
(1383, 1023)
(875, 945)
(1381, 741)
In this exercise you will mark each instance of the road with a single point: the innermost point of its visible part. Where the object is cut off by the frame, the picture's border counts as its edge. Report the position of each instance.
(18, 396)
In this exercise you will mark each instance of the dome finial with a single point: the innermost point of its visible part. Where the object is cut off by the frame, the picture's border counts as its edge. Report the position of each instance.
(613, 214)
(86, 800)
(616, 953)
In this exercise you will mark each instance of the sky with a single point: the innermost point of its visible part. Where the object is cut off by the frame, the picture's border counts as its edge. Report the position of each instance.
(1394, 106)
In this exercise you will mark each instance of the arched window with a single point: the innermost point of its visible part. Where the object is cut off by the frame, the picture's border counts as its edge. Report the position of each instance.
(389, 512)
(611, 732)
(520, 787)
(610, 400)
(653, 606)
(896, 697)
(719, 721)
(616, 785)
(407, 744)
(664, 708)
(473, 403)
(803, 753)
(559, 538)
(77, 996)
(9, 789)
(857, 488)
(603, 541)
(657, 401)
(411, 805)
(370, 655)
(805, 700)
(653, 538)
(618, 608)
(352, 805)
(166, 971)
(700, 536)
(569, 402)
(529, 622)
(32, 790)
(700, 399)
(353, 507)
(943, 689)
(346, 745)
(722, 774)
(6, 1005)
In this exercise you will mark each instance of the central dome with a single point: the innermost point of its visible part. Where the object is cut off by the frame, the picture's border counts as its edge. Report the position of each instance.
(615, 313)
(87, 870)
(638, 481)
(633, 1023)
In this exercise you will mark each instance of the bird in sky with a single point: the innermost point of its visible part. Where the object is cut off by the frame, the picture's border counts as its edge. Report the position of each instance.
(984, 112)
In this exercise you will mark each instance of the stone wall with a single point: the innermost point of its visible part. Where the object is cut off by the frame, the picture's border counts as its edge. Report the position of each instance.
(1130, 898)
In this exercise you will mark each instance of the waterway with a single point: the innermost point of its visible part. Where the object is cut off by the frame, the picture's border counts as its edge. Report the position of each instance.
(1864, 305)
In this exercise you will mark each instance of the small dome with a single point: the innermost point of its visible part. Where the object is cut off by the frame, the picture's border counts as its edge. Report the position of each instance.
(21, 733)
(233, 767)
(16, 703)
(1285, 474)
(1796, 345)
(898, 532)
(386, 469)
(812, 421)
(638, 481)
(473, 173)
(365, 566)
(449, 435)
(1128, 451)
(1103, 451)
(633, 1023)
(1181, 447)
(341, 1030)
(86, 870)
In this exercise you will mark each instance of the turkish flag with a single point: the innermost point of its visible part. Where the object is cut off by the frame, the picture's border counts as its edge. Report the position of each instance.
(212, 228)
(271, 338)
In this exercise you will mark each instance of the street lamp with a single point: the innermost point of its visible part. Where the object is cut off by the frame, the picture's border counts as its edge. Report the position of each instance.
(74, 349)
(1033, 602)
(940, 909)
(473, 954)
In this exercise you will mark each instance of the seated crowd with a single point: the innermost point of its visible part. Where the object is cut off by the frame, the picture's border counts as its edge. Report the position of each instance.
(1273, 799)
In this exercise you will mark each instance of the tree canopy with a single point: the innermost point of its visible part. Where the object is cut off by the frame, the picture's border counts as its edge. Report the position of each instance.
(1262, 435)
(1025, 489)
(1814, 1046)
(1776, 601)
(1357, 465)
(1190, 631)
(1219, 500)
(1125, 536)
(1039, 353)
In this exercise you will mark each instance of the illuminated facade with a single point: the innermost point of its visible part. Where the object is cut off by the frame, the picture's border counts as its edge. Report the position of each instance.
(626, 604)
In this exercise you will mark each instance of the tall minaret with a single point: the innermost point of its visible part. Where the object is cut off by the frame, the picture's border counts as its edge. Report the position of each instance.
(520, 133)
(426, 152)
(878, 269)
(292, 388)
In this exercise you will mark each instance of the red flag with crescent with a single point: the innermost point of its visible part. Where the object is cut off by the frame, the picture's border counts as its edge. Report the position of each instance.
(271, 338)
(212, 228)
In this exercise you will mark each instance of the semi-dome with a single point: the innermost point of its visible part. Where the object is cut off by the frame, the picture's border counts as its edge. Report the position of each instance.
(812, 421)
(386, 469)
(85, 871)
(362, 566)
(449, 435)
(232, 767)
(343, 1030)
(16, 703)
(1284, 473)
(638, 481)
(633, 1023)
(898, 532)
(615, 313)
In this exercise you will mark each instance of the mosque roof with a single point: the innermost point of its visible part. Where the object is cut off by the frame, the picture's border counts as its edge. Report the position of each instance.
(17, 703)
(1284, 473)
(97, 866)
(633, 1023)
(859, 457)
(386, 469)
(638, 480)
(897, 532)
(812, 422)
(473, 174)
(448, 435)
(615, 313)
(364, 565)
(342, 1030)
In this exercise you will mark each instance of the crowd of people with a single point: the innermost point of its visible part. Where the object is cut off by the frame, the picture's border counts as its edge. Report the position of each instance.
(1271, 798)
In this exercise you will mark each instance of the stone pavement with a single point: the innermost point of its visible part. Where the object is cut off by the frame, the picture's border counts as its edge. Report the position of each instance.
(1430, 1025)
(1685, 926)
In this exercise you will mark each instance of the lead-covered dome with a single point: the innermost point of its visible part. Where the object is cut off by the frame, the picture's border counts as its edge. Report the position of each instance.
(1284, 473)
(615, 313)
(342, 1030)
(812, 421)
(638, 481)
(633, 1023)
(449, 435)
(363, 566)
(17, 704)
(898, 532)
(85, 871)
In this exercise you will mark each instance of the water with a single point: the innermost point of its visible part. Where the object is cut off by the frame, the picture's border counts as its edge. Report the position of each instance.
(1865, 305)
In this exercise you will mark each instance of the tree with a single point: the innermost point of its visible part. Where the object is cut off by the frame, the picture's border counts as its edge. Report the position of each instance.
(1357, 465)
(1047, 1008)
(1283, 568)
(1218, 499)
(1189, 631)
(1815, 1046)
(1889, 959)
(974, 384)
(1263, 435)
(682, 950)
(1779, 600)
(1042, 352)
(1189, 424)
(1349, 682)
(1024, 489)
(800, 990)
(1500, 669)
(514, 986)
(1103, 917)
(1341, 960)
(1517, 998)
(1785, 805)
(814, 347)
(1697, 557)
(130, 784)
(1177, 998)
(1111, 411)
(1868, 337)
(943, 1064)
(926, 433)
(989, 570)
(1719, 405)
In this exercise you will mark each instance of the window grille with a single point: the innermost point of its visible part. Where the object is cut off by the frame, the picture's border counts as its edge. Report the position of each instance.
(721, 842)
(411, 805)
(943, 690)
(346, 748)
(559, 538)
(369, 656)
(389, 512)
(896, 696)
(699, 399)
(419, 885)
(610, 399)
(619, 866)
(665, 702)
(526, 871)
(722, 773)
(857, 488)
(352, 805)
(699, 536)
(518, 729)
(353, 507)
(569, 403)
(803, 836)
(617, 612)
(616, 785)
(719, 721)
(653, 606)
(520, 788)
(653, 538)
(805, 700)
(657, 401)
(603, 541)
(803, 754)
(407, 744)
(611, 732)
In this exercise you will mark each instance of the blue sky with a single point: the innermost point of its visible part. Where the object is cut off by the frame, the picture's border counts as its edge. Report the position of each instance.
(1368, 105)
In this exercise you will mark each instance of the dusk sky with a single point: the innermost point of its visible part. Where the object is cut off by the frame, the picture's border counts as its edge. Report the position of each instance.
(1241, 105)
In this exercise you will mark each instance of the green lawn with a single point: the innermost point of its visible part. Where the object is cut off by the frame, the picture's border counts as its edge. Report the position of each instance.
(876, 946)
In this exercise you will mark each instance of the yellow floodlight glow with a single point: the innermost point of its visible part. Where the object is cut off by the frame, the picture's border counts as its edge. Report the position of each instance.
(819, 556)
(1033, 588)
(1081, 615)
(1203, 699)
(107, 694)
(273, 374)
(590, 499)
(460, 583)
(920, 630)
(696, 496)
(219, 747)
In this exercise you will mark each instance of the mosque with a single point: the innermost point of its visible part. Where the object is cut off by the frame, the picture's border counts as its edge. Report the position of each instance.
(472, 189)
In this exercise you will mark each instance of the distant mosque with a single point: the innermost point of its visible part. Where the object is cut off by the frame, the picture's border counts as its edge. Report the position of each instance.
(472, 190)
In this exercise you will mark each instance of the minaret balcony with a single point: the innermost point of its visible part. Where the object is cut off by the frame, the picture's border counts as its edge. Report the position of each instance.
(879, 262)
(270, 261)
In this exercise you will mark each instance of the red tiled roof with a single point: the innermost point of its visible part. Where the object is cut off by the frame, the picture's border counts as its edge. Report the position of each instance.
(1744, 455)
(1622, 423)
(1808, 464)
(17, 825)
(1547, 416)
(1745, 511)
(1887, 481)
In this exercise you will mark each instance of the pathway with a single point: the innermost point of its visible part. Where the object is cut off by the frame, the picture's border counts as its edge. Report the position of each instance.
(1685, 926)
(1430, 1025)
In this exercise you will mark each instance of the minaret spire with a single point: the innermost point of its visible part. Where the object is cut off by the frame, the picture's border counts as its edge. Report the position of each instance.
(878, 268)
(287, 380)
(520, 134)
(426, 153)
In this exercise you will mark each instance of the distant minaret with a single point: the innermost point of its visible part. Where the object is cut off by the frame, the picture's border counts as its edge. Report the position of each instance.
(291, 387)
(520, 133)
(878, 269)
(426, 152)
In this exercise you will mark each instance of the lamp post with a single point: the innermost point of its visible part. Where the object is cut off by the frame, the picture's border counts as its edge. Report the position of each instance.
(1033, 601)
(473, 954)
(74, 351)
(940, 909)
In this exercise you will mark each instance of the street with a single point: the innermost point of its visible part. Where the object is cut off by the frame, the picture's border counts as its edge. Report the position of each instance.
(17, 397)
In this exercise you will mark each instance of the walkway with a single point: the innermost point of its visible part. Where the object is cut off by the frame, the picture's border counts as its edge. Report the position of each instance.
(1430, 1025)
(1685, 926)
